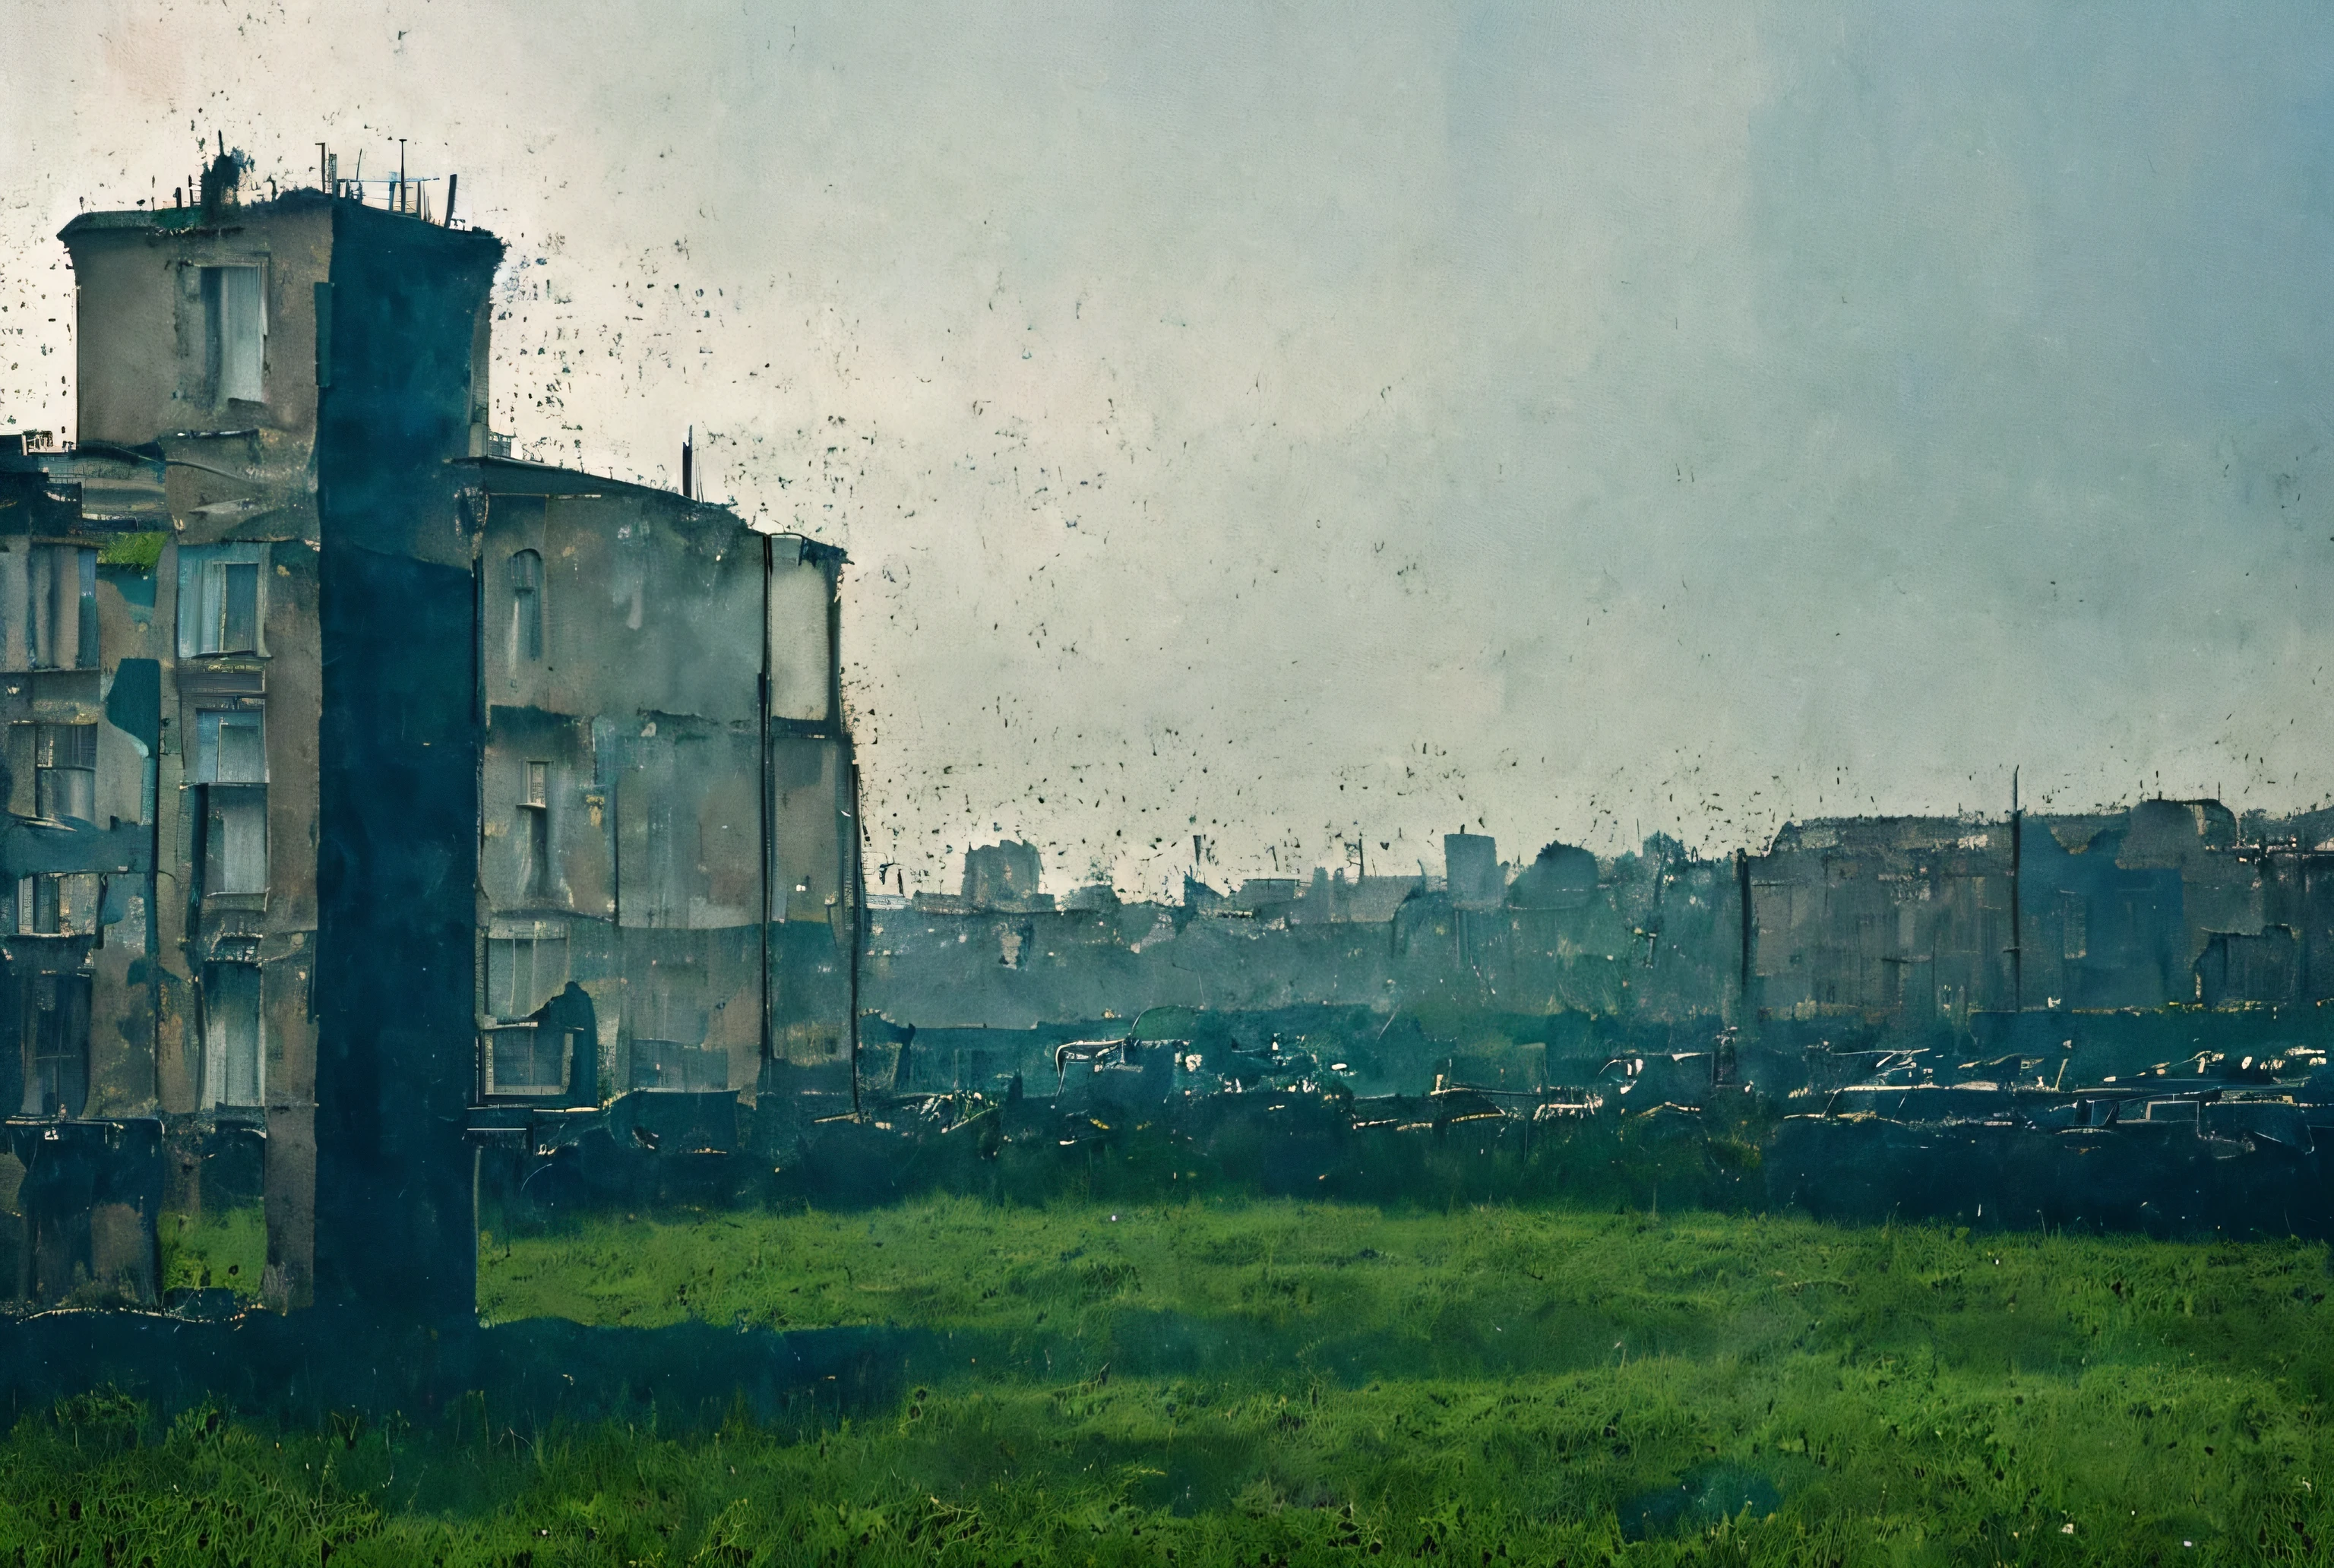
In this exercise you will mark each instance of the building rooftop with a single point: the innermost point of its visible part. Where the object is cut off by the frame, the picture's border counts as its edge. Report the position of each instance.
(518, 476)
(190, 218)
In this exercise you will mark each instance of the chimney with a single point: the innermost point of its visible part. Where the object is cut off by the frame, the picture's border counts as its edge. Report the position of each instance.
(219, 186)
(689, 462)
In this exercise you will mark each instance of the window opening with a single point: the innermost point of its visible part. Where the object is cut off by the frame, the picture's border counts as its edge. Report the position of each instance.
(222, 598)
(530, 1060)
(235, 315)
(235, 839)
(57, 904)
(231, 765)
(234, 1029)
(64, 775)
(57, 1025)
(61, 620)
(535, 815)
(525, 970)
(230, 607)
(527, 606)
(231, 746)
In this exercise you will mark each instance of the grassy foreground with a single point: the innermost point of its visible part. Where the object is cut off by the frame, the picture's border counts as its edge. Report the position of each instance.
(1360, 1291)
(1278, 1382)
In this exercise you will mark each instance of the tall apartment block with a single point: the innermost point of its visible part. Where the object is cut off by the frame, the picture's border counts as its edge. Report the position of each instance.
(368, 794)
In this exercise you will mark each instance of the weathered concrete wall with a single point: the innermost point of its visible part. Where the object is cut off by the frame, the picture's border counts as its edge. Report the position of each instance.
(141, 356)
(622, 657)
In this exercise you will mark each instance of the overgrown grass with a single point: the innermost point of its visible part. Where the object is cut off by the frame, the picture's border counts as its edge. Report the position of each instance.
(1356, 1292)
(1282, 1382)
(224, 1251)
(1849, 1461)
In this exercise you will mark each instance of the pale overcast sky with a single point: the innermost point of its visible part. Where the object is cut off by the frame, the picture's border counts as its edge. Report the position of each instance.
(1297, 425)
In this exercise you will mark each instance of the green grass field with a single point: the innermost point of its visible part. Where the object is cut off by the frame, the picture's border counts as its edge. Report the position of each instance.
(1308, 1383)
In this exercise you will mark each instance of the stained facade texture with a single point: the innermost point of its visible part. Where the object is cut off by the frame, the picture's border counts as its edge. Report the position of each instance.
(369, 794)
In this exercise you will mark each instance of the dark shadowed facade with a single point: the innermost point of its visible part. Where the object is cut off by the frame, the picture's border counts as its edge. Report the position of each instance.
(368, 794)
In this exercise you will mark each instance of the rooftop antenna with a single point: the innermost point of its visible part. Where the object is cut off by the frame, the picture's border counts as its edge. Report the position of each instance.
(400, 174)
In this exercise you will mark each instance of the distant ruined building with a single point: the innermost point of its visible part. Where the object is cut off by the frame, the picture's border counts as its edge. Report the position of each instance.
(1903, 926)
(369, 794)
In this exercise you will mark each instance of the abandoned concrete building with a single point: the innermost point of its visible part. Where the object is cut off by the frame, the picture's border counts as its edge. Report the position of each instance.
(369, 794)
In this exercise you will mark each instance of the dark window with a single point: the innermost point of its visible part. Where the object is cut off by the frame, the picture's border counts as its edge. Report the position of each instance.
(231, 746)
(222, 598)
(534, 817)
(232, 1035)
(238, 605)
(235, 321)
(57, 904)
(531, 1061)
(56, 1027)
(231, 765)
(527, 606)
(64, 777)
(60, 622)
(525, 970)
(234, 838)
(229, 612)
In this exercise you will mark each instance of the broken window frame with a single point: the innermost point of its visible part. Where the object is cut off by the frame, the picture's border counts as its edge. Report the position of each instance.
(235, 841)
(57, 904)
(234, 333)
(65, 773)
(538, 879)
(543, 1059)
(526, 573)
(61, 607)
(230, 607)
(526, 965)
(230, 745)
(222, 600)
(230, 767)
(234, 1057)
(56, 1035)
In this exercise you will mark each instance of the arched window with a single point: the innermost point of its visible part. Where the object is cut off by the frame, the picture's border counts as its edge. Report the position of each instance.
(526, 606)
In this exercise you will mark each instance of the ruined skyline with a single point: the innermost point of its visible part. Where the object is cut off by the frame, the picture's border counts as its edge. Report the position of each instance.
(1572, 427)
